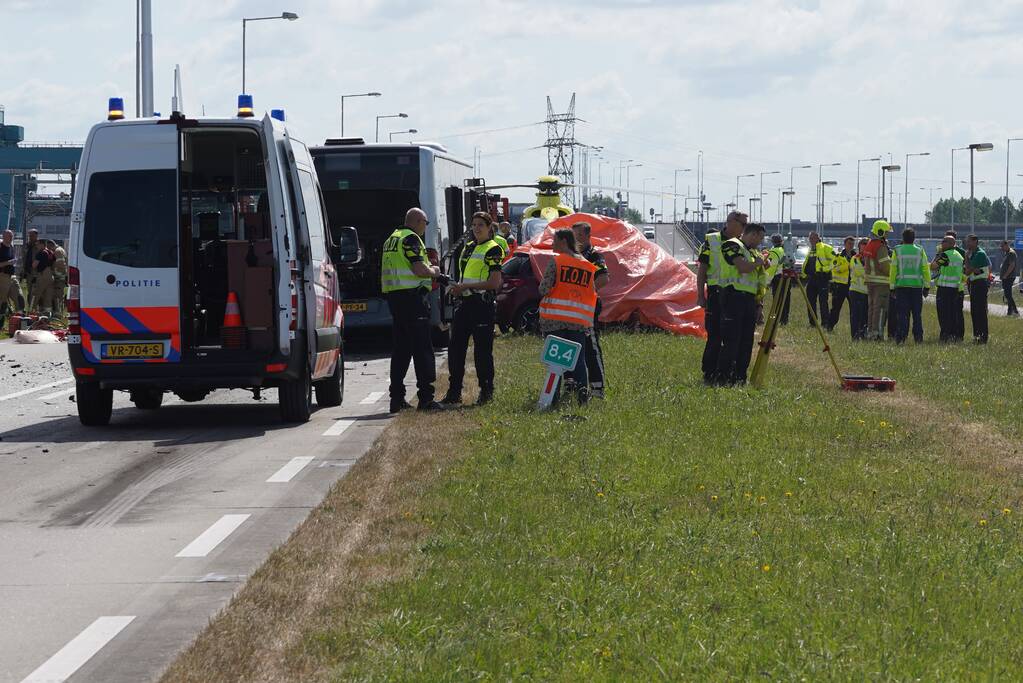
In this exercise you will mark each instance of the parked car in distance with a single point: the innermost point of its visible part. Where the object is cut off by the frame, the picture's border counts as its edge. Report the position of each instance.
(650, 234)
(518, 300)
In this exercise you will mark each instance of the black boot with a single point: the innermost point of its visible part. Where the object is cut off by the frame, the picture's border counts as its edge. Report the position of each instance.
(452, 398)
(486, 396)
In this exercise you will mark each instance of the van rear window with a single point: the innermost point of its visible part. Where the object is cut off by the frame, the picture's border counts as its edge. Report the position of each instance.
(131, 218)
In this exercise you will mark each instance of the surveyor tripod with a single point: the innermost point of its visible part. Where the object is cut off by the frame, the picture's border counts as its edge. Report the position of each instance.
(767, 341)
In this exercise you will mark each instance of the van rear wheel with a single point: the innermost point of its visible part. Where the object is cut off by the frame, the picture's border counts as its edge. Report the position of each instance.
(295, 397)
(94, 404)
(330, 392)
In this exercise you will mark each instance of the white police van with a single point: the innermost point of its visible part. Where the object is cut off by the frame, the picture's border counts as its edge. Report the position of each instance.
(200, 259)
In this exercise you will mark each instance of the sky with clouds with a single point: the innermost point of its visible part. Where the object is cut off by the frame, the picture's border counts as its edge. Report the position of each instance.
(757, 85)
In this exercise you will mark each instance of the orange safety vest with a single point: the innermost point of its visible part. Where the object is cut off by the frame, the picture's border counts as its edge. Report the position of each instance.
(573, 298)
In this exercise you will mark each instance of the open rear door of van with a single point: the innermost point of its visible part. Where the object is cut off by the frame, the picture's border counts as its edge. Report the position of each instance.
(283, 238)
(126, 246)
(321, 311)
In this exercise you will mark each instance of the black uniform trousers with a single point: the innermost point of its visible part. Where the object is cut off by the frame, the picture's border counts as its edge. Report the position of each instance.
(858, 312)
(817, 292)
(909, 302)
(978, 309)
(893, 314)
(712, 323)
(1010, 302)
(474, 318)
(738, 323)
(595, 355)
(947, 299)
(580, 375)
(839, 293)
(960, 318)
(775, 284)
(410, 310)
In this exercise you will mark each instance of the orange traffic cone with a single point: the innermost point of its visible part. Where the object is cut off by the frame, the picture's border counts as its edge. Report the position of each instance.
(232, 332)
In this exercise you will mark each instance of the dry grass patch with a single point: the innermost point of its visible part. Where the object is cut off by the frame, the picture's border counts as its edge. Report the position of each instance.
(362, 535)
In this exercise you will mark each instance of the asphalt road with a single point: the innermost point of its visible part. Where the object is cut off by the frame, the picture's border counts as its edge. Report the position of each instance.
(118, 544)
(664, 238)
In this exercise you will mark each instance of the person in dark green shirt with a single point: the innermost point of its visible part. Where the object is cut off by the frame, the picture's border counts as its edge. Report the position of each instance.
(977, 268)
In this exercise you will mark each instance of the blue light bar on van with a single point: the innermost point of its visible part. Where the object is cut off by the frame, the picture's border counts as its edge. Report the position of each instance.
(245, 106)
(277, 114)
(115, 109)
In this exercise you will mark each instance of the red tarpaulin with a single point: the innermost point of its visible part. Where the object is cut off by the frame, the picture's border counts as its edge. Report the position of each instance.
(647, 285)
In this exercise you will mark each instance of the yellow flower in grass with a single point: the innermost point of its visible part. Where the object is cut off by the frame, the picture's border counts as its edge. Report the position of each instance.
(983, 522)
(701, 487)
(748, 494)
(788, 494)
(713, 499)
(883, 423)
(766, 568)
(966, 403)
(762, 499)
(600, 494)
(1006, 511)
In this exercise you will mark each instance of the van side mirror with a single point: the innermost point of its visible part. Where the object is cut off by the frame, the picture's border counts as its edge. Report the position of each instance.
(346, 249)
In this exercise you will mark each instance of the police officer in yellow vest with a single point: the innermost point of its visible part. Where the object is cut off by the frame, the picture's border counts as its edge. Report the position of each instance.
(840, 274)
(478, 283)
(858, 294)
(948, 266)
(738, 284)
(406, 278)
(775, 266)
(977, 267)
(910, 279)
(501, 241)
(708, 272)
(817, 269)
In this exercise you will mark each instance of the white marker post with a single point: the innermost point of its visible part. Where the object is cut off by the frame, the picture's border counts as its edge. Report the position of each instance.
(560, 356)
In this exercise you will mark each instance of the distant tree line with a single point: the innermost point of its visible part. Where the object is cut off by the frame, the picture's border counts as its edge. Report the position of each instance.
(986, 210)
(603, 205)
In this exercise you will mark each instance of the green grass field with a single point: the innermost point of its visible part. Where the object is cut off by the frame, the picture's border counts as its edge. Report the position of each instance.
(675, 531)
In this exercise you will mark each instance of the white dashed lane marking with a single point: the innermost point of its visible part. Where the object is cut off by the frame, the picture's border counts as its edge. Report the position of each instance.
(56, 394)
(72, 656)
(338, 428)
(212, 537)
(372, 398)
(287, 473)
(26, 392)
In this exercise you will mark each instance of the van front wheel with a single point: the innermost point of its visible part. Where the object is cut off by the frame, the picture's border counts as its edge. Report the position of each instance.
(94, 404)
(296, 397)
(330, 392)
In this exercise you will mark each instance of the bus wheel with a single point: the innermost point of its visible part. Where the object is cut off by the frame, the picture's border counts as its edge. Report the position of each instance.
(296, 397)
(147, 399)
(331, 391)
(94, 404)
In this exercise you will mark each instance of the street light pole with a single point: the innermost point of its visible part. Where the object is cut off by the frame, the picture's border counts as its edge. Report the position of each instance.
(790, 193)
(820, 181)
(365, 94)
(824, 183)
(792, 172)
(645, 181)
(674, 201)
(930, 200)
(289, 16)
(1008, 144)
(890, 168)
(410, 131)
(400, 115)
(905, 215)
(976, 147)
(628, 183)
(748, 175)
(859, 220)
(761, 195)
